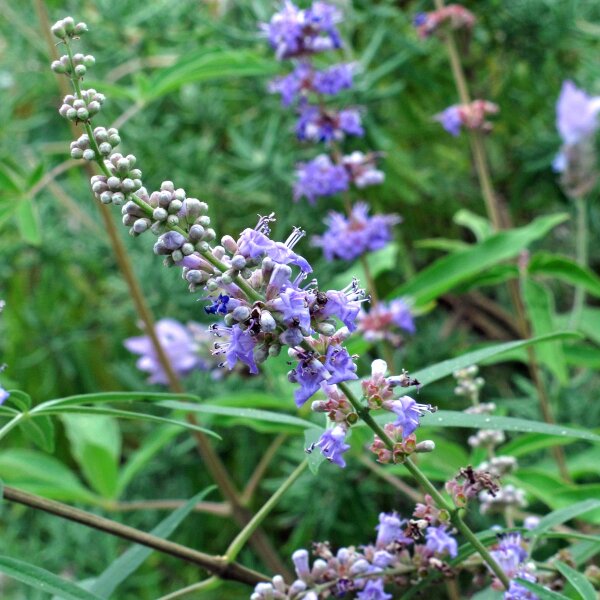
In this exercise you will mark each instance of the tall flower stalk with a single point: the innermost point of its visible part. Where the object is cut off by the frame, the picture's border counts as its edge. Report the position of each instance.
(256, 285)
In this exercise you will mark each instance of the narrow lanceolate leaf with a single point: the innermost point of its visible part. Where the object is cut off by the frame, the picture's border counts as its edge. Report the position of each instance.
(43, 580)
(132, 559)
(457, 268)
(558, 517)
(542, 592)
(452, 418)
(241, 413)
(565, 269)
(578, 581)
(447, 367)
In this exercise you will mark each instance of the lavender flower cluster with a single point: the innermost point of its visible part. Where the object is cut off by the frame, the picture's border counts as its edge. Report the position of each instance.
(4, 395)
(257, 286)
(297, 35)
(402, 552)
(577, 122)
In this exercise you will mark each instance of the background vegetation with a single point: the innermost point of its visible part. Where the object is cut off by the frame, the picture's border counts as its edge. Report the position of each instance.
(190, 78)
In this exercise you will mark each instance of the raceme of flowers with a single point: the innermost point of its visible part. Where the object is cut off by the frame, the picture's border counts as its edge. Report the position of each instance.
(403, 551)
(257, 286)
(298, 34)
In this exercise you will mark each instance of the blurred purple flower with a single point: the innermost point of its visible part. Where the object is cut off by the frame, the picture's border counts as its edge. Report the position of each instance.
(349, 237)
(373, 590)
(333, 80)
(450, 119)
(576, 113)
(332, 445)
(178, 344)
(320, 177)
(390, 529)
(317, 125)
(3, 395)
(440, 541)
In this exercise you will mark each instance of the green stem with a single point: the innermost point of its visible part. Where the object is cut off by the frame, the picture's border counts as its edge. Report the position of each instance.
(244, 535)
(208, 584)
(421, 478)
(581, 248)
(12, 424)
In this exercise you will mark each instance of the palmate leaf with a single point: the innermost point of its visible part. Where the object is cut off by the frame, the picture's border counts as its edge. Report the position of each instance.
(43, 580)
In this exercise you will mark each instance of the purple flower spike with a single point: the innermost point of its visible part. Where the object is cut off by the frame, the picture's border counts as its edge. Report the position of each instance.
(179, 345)
(333, 80)
(576, 113)
(440, 541)
(451, 120)
(373, 590)
(3, 395)
(320, 177)
(332, 445)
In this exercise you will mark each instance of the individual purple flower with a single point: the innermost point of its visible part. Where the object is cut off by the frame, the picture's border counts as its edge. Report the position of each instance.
(219, 305)
(362, 169)
(513, 543)
(320, 177)
(292, 86)
(318, 125)
(336, 366)
(344, 305)
(516, 591)
(240, 347)
(576, 113)
(390, 529)
(178, 344)
(333, 444)
(438, 540)
(373, 590)
(407, 411)
(531, 522)
(333, 80)
(402, 316)
(256, 243)
(347, 238)
(450, 119)
(3, 395)
(292, 305)
(294, 32)
(300, 560)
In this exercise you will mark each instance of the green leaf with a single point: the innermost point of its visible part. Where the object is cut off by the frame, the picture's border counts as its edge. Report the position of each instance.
(40, 431)
(447, 367)
(542, 592)
(210, 65)
(565, 269)
(19, 399)
(525, 444)
(96, 446)
(242, 413)
(541, 311)
(578, 581)
(33, 470)
(124, 414)
(443, 244)
(103, 397)
(558, 517)
(132, 559)
(478, 225)
(451, 418)
(43, 580)
(28, 222)
(450, 271)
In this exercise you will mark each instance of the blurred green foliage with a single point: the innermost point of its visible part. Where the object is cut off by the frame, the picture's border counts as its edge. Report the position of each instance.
(190, 78)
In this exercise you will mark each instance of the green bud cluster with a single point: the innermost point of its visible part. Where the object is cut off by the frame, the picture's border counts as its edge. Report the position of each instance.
(106, 140)
(78, 67)
(66, 28)
(124, 180)
(84, 108)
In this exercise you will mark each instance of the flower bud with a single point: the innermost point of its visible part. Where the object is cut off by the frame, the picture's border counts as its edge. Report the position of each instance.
(89, 154)
(160, 214)
(241, 313)
(58, 29)
(80, 70)
(267, 322)
(89, 60)
(80, 28)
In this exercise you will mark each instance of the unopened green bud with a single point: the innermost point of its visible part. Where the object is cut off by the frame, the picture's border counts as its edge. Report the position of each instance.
(89, 154)
(80, 28)
(80, 70)
(89, 60)
(83, 114)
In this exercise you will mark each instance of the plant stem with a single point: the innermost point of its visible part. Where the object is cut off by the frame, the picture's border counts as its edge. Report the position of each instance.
(217, 565)
(12, 424)
(581, 248)
(207, 584)
(210, 458)
(495, 216)
(261, 468)
(421, 478)
(240, 541)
